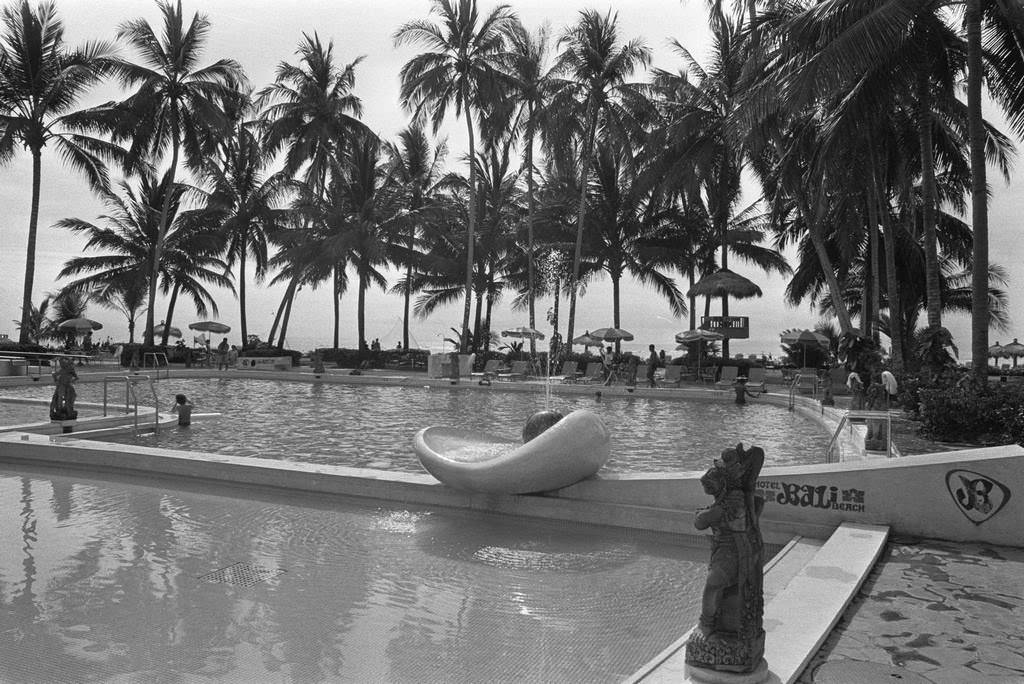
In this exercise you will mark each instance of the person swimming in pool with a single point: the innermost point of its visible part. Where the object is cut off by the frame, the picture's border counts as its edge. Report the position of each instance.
(183, 407)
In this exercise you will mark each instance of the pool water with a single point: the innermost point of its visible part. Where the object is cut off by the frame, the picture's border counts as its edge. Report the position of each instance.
(118, 578)
(372, 426)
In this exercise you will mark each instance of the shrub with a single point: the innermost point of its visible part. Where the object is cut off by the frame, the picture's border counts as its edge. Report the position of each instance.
(965, 411)
(270, 352)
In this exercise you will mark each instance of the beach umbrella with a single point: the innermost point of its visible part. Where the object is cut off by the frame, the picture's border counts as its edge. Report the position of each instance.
(1013, 350)
(996, 351)
(159, 330)
(588, 340)
(523, 332)
(725, 283)
(698, 335)
(210, 327)
(80, 325)
(804, 338)
(612, 334)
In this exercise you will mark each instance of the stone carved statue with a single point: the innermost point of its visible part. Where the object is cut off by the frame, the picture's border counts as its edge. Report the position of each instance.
(730, 634)
(62, 406)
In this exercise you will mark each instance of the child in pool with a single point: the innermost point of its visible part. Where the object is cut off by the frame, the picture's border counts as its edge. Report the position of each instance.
(183, 407)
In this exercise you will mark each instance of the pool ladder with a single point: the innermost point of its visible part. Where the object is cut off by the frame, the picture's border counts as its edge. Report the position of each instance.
(832, 454)
(131, 396)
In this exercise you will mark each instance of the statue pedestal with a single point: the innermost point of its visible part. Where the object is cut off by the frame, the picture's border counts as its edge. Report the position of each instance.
(66, 426)
(705, 676)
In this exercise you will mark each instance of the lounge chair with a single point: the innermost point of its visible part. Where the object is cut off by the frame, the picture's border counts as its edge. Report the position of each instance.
(808, 380)
(755, 377)
(519, 371)
(569, 371)
(673, 376)
(728, 376)
(594, 372)
(491, 370)
(708, 374)
(640, 377)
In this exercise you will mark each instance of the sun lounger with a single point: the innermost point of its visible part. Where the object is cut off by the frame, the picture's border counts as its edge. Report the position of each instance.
(755, 378)
(728, 376)
(708, 374)
(491, 370)
(519, 371)
(569, 371)
(594, 372)
(673, 376)
(808, 380)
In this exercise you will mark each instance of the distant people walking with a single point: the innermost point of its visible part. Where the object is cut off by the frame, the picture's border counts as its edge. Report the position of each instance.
(653, 361)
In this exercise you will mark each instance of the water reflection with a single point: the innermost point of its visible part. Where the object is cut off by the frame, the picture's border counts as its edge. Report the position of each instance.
(108, 583)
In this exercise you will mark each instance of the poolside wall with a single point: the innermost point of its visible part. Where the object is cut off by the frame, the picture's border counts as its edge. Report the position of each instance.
(969, 495)
(966, 495)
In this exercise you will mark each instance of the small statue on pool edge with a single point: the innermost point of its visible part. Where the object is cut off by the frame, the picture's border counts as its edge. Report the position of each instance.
(62, 406)
(730, 634)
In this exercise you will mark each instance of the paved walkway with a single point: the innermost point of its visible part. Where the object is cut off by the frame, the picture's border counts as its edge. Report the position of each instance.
(935, 611)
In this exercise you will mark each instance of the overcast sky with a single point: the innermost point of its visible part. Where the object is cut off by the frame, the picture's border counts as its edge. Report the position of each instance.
(259, 34)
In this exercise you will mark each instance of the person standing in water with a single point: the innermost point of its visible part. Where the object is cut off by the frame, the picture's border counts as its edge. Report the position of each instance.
(183, 407)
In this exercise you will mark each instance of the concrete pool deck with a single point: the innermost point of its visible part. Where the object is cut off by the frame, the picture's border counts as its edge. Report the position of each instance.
(948, 612)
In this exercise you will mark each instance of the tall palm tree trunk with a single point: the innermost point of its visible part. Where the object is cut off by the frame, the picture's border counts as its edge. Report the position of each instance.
(979, 208)
(470, 237)
(244, 328)
(580, 217)
(616, 311)
(928, 194)
(818, 242)
(288, 294)
(892, 287)
(530, 207)
(161, 235)
(24, 335)
(361, 311)
(284, 320)
(336, 301)
(875, 273)
(164, 338)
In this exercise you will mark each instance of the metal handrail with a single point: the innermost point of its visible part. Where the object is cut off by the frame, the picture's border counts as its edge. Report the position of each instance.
(157, 356)
(848, 419)
(792, 390)
(130, 393)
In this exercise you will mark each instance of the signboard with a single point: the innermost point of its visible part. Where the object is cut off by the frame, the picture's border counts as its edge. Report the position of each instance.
(733, 327)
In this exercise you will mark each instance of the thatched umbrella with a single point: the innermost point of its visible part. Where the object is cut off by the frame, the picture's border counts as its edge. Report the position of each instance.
(1013, 350)
(996, 351)
(725, 283)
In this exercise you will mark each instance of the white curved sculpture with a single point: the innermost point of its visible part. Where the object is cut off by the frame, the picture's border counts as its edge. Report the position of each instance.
(573, 449)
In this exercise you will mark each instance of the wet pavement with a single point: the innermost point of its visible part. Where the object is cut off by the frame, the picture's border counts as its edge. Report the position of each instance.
(931, 611)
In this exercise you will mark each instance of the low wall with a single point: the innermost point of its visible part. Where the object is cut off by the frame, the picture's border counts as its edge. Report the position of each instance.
(972, 495)
(277, 363)
(969, 495)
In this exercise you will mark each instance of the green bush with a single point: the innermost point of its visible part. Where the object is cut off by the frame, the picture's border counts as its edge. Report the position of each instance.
(271, 352)
(967, 412)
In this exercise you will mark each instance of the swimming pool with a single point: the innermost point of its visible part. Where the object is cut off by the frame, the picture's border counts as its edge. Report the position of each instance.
(107, 577)
(371, 426)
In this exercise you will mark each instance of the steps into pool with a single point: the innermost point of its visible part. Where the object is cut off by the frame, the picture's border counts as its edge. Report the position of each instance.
(808, 586)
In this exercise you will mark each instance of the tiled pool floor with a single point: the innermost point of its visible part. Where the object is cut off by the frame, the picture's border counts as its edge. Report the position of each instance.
(952, 613)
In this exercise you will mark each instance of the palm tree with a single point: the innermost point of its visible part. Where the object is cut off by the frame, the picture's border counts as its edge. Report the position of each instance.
(129, 236)
(623, 228)
(311, 115)
(525, 64)
(594, 67)
(126, 294)
(243, 201)
(458, 69)
(41, 81)
(1004, 41)
(176, 103)
(417, 169)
